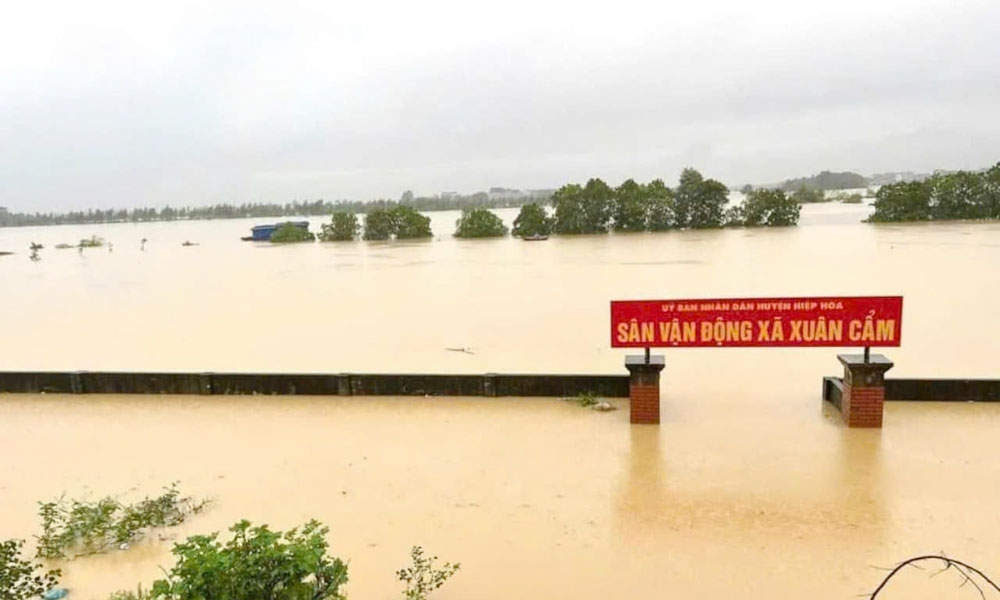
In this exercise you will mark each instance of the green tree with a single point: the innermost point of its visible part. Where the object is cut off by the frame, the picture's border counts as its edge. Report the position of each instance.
(904, 201)
(991, 190)
(532, 221)
(290, 233)
(569, 211)
(630, 207)
(410, 224)
(661, 206)
(584, 209)
(343, 227)
(771, 208)
(699, 203)
(379, 225)
(20, 579)
(959, 195)
(256, 564)
(808, 195)
(479, 223)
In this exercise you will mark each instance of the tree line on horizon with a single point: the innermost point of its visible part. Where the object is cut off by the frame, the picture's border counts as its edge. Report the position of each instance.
(252, 210)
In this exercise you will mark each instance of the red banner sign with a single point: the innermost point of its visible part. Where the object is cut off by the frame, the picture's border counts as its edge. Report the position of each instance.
(831, 321)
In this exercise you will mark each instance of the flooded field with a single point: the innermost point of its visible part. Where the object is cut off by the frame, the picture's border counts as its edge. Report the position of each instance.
(750, 488)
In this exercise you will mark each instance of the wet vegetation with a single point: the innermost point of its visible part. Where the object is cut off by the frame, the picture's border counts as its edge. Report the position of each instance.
(532, 221)
(91, 242)
(421, 577)
(20, 579)
(401, 222)
(696, 203)
(290, 233)
(951, 196)
(343, 227)
(76, 527)
(256, 563)
(765, 208)
(479, 223)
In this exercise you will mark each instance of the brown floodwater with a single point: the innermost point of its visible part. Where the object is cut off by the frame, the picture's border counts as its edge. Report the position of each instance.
(750, 487)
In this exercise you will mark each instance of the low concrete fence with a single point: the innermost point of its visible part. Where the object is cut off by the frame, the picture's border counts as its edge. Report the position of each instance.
(341, 384)
(924, 390)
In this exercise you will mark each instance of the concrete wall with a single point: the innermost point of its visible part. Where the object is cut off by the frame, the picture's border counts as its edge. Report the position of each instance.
(924, 390)
(342, 384)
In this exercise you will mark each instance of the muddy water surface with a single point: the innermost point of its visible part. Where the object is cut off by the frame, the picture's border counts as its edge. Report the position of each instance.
(750, 488)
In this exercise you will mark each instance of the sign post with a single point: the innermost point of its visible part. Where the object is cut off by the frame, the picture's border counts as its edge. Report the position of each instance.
(827, 321)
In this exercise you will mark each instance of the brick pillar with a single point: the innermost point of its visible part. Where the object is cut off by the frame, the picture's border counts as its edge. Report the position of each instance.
(864, 389)
(644, 388)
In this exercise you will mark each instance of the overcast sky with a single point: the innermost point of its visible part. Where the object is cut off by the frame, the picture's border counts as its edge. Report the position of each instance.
(110, 104)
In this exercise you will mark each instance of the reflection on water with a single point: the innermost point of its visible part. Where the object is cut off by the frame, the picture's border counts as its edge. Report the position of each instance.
(749, 488)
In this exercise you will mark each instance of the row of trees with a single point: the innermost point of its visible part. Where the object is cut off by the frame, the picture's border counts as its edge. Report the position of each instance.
(696, 203)
(959, 195)
(596, 207)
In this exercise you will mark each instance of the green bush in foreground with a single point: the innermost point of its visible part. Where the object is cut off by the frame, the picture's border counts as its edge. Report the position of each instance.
(479, 223)
(19, 578)
(343, 227)
(256, 564)
(289, 233)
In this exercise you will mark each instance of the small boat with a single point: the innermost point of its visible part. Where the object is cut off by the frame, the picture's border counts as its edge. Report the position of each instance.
(263, 233)
(534, 238)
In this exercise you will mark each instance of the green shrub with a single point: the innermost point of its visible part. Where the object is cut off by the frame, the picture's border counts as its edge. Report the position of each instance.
(532, 221)
(410, 224)
(379, 225)
(343, 227)
(97, 526)
(289, 233)
(770, 208)
(19, 578)
(421, 578)
(479, 223)
(256, 564)
(91, 242)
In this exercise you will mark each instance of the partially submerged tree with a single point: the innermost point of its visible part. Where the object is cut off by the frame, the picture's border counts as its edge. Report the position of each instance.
(771, 208)
(290, 233)
(631, 206)
(479, 223)
(379, 225)
(699, 203)
(343, 227)
(410, 224)
(532, 221)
